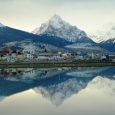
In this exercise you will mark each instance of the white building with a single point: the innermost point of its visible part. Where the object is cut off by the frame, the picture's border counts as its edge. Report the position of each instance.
(79, 58)
(30, 49)
(29, 56)
(113, 60)
(11, 59)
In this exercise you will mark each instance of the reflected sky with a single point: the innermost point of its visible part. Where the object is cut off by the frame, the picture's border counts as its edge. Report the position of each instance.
(54, 91)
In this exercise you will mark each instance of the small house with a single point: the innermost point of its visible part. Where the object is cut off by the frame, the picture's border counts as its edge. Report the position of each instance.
(105, 58)
(11, 59)
(29, 56)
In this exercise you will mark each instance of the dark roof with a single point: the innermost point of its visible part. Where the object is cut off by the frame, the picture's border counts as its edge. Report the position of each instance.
(3, 52)
(13, 48)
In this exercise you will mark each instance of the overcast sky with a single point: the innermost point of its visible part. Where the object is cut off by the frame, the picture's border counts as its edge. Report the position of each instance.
(88, 15)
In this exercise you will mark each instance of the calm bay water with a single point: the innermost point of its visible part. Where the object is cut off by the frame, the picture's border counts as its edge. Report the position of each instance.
(57, 91)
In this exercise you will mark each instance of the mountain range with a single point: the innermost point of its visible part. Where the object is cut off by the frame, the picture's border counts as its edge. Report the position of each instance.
(55, 32)
(74, 37)
(59, 28)
(106, 37)
(108, 44)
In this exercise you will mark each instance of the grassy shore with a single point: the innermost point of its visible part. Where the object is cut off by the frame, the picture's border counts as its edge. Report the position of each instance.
(55, 64)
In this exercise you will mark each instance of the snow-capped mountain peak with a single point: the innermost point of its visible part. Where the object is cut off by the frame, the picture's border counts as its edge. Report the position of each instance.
(56, 17)
(60, 28)
(56, 21)
(1, 25)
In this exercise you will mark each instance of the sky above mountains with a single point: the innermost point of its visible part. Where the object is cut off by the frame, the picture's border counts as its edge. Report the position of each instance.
(88, 15)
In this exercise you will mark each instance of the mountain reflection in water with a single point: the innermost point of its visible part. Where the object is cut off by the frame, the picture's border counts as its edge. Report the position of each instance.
(55, 84)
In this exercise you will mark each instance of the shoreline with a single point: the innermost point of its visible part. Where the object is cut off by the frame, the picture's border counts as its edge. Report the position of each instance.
(55, 64)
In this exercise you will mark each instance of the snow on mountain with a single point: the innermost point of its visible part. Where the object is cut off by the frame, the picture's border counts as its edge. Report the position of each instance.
(1, 25)
(34, 46)
(74, 37)
(74, 81)
(59, 28)
(105, 37)
(11, 35)
(87, 46)
(59, 92)
(2, 98)
(108, 44)
(57, 84)
(55, 33)
(105, 85)
(104, 33)
(111, 40)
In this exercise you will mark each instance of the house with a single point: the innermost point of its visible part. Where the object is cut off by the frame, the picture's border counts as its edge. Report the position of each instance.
(79, 58)
(65, 55)
(29, 50)
(14, 54)
(3, 53)
(49, 56)
(29, 56)
(20, 56)
(112, 58)
(11, 59)
(44, 56)
(105, 58)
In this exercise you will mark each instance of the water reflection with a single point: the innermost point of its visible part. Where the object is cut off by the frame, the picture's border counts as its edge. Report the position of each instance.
(56, 84)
